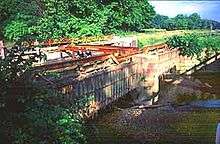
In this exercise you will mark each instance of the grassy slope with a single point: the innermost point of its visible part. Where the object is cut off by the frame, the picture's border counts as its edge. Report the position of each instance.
(156, 37)
(199, 125)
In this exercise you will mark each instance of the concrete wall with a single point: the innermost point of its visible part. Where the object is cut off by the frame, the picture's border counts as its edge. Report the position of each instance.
(125, 42)
(104, 87)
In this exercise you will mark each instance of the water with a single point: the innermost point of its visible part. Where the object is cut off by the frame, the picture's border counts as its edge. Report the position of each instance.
(206, 103)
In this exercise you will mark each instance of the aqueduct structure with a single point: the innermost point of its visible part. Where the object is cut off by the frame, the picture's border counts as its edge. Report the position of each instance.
(114, 71)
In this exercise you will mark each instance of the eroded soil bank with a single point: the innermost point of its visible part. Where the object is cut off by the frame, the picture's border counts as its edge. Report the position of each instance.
(176, 121)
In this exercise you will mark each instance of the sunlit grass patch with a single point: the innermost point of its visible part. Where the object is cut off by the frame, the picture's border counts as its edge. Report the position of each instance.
(157, 36)
(199, 124)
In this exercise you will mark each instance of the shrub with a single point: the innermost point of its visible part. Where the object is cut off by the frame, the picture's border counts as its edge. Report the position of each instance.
(16, 29)
(194, 44)
(31, 113)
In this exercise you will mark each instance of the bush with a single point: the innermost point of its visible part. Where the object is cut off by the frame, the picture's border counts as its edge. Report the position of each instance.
(44, 118)
(194, 44)
(45, 123)
(30, 113)
(16, 29)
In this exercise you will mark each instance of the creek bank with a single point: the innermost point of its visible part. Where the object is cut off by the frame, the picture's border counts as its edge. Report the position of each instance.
(169, 123)
(175, 121)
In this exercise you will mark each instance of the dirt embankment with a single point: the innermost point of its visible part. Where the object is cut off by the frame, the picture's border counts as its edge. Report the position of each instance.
(170, 123)
(156, 124)
(183, 90)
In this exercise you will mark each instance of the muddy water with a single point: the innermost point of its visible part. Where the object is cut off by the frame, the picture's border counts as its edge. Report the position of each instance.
(186, 120)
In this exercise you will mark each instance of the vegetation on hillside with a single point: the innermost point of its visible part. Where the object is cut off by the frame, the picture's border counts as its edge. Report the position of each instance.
(201, 46)
(183, 22)
(53, 19)
(44, 19)
(32, 114)
(157, 36)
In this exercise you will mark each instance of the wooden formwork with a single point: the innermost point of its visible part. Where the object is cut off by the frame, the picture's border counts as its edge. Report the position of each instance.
(104, 87)
(107, 85)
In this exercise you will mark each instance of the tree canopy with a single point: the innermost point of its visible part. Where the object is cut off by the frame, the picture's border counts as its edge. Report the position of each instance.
(43, 19)
(193, 21)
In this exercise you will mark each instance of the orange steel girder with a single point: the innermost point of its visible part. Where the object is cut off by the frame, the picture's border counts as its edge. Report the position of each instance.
(95, 48)
(126, 53)
(146, 49)
(67, 63)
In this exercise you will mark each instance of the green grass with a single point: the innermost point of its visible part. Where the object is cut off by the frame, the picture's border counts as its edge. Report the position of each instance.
(157, 36)
(199, 124)
(149, 36)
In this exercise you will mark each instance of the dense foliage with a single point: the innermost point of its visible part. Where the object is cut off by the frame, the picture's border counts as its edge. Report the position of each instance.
(193, 21)
(43, 19)
(195, 44)
(30, 113)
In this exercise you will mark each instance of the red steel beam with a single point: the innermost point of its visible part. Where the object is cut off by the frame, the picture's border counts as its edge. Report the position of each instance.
(127, 52)
(154, 47)
(72, 62)
(106, 49)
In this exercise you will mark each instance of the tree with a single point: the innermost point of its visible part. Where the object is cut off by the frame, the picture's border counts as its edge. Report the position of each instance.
(18, 27)
(16, 17)
(54, 20)
(159, 20)
(170, 24)
(129, 15)
(29, 112)
(61, 18)
(205, 24)
(181, 21)
(195, 21)
(187, 44)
